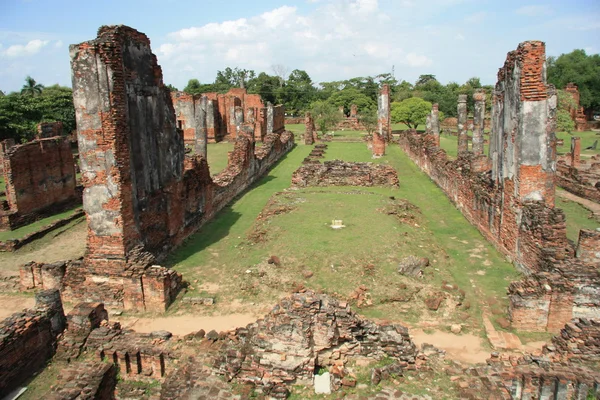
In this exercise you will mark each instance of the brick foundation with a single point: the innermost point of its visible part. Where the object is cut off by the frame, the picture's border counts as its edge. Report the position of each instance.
(341, 173)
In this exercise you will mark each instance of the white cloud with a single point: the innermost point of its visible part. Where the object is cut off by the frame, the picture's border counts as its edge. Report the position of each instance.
(418, 60)
(58, 44)
(20, 50)
(476, 18)
(533, 10)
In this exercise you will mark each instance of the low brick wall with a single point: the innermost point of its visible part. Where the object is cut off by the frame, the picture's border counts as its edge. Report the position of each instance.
(342, 173)
(579, 340)
(28, 340)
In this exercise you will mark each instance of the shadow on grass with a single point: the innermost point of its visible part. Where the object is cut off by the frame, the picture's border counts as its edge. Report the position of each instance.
(220, 226)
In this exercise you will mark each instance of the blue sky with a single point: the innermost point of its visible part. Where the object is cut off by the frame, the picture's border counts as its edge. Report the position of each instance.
(330, 39)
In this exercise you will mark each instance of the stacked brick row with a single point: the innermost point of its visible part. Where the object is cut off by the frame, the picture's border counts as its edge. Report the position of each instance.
(342, 173)
(579, 340)
(28, 340)
(511, 378)
(86, 381)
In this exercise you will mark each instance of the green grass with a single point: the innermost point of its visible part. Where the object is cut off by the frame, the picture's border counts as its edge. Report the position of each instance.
(587, 139)
(578, 217)
(221, 253)
(2, 184)
(217, 156)
(27, 229)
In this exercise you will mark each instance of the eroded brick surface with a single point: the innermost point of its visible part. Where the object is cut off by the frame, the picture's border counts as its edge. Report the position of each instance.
(40, 179)
(342, 173)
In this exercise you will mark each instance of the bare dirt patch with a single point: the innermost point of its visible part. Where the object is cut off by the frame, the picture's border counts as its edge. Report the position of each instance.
(465, 347)
(63, 244)
(184, 324)
(12, 304)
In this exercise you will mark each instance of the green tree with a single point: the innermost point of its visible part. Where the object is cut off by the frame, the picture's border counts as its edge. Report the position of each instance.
(267, 87)
(298, 93)
(172, 88)
(566, 103)
(230, 78)
(581, 69)
(56, 104)
(425, 80)
(195, 87)
(325, 115)
(31, 87)
(368, 119)
(350, 96)
(1, 93)
(411, 112)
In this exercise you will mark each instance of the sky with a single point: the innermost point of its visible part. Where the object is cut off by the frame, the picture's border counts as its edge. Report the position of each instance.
(329, 39)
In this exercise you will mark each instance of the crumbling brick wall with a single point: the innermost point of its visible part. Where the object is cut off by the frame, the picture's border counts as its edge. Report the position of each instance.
(139, 199)
(28, 339)
(49, 129)
(342, 173)
(509, 196)
(579, 340)
(39, 177)
(577, 112)
(86, 381)
(580, 177)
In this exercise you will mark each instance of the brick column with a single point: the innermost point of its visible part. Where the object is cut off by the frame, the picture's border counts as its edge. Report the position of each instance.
(478, 121)
(383, 114)
(435, 123)
(463, 139)
(308, 129)
(575, 151)
(201, 129)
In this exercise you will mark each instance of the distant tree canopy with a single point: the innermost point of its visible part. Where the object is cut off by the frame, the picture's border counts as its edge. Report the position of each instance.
(411, 112)
(581, 69)
(21, 112)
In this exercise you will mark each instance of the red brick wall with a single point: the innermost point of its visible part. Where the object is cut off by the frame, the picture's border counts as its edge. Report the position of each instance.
(49, 129)
(39, 174)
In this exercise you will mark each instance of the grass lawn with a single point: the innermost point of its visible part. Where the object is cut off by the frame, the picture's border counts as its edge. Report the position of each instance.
(587, 139)
(578, 217)
(217, 156)
(27, 229)
(230, 253)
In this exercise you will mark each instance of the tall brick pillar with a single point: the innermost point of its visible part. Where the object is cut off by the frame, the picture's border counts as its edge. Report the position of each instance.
(128, 141)
(435, 123)
(353, 111)
(478, 121)
(270, 118)
(308, 129)
(383, 113)
(522, 144)
(463, 139)
(575, 151)
(201, 129)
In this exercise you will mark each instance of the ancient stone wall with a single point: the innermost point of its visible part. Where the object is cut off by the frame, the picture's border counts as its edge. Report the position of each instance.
(40, 180)
(577, 112)
(86, 381)
(342, 173)
(579, 340)
(28, 340)
(510, 196)
(49, 129)
(580, 177)
(139, 199)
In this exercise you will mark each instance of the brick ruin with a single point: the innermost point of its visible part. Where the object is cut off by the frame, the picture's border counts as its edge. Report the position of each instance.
(226, 116)
(384, 130)
(49, 129)
(433, 123)
(304, 333)
(580, 177)
(342, 173)
(509, 197)
(577, 112)
(463, 138)
(142, 195)
(310, 132)
(28, 339)
(40, 180)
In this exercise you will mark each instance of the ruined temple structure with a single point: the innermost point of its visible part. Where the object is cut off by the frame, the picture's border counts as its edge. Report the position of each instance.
(40, 180)
(509, 197)
(49, 129)
(580, 177)
(310, 132)
(142, 196)
(577, 112)
(342, 173)
(222, 116)
(463, 138)
(350, 121)
(384, 130)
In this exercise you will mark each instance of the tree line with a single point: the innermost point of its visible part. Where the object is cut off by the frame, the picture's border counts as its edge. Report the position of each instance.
(20, 112)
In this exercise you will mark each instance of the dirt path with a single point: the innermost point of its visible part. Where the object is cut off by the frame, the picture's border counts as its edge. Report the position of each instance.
(466, 347)
(12, 304)
(62, 244)
(590, 205)
(184, 324)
